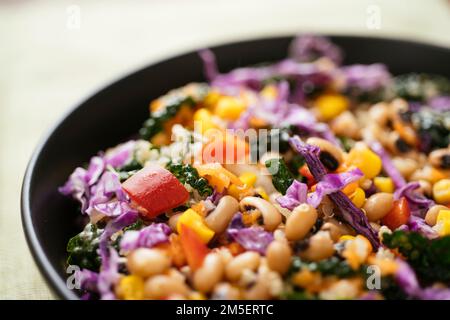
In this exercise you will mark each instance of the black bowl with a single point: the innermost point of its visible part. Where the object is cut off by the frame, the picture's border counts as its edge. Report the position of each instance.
(116, 112)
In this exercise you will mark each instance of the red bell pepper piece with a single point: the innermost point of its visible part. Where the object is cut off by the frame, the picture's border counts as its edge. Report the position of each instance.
(194, 248)
(399, 214)
(155, 190)
(304, 171)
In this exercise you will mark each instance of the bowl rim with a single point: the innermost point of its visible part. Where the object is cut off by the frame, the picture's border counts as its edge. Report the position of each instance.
(49, 272)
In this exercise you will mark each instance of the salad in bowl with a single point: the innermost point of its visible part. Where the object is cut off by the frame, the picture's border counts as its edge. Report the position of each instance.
(297, 179)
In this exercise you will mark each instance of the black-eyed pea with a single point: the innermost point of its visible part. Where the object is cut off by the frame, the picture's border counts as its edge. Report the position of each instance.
(330, 155)
(320, 247)
(425, 188)
(378, 205)
(162, 286)
(270, 215)
(300, 222)
(346, 125)
(380, 113)
(221, 216)
(173, 221)
(405, 166)
(209, 274)
(226, 291)
(279, 256)
(432, 213)
(440, 158)
(333, 229)
(247, 260)
(146, 262)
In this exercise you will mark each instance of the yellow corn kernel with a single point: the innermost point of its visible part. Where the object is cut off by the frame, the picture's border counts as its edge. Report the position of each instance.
(269, 92)
(441, 191)
(384, 184)
(229, 108)
(249, 178)
(443, 222)
(194, 221)
(203, 117)
(350, 188)
(211, 99)
(358, 197)
(346, 237)
(196, 296)
(262, 193)
(130, 288)
(330, 105)
(236, 191)
(357, 251)
(365, 159)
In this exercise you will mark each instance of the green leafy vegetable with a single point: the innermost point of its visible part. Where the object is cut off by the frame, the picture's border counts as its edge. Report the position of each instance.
(186, 173)
(189, 96)
(82, 248)
(282, 178)
(420, 86)
(430, 259)
(329, 267)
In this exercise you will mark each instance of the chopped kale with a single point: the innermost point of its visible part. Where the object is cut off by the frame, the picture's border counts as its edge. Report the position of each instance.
(155, 123)
(186, 173)
(282, 178)
(328, 267)
(420, 86)
(346, 142)
(429, 258)
(433, 129)
(172, 103)
(82, 248)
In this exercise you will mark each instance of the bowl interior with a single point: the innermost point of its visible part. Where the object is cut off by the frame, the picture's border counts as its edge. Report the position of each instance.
(116, 113)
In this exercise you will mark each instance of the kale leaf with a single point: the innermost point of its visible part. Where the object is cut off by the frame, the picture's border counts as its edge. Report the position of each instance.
(282, 178)
(420, 86)
(82, 248)
(186, 173)
(429, 258)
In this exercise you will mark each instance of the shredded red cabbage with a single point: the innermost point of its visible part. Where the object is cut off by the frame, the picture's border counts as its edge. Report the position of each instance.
(388, 166)
(297, 191)
(407, 280)
(440, 103)
(418, 203)
(252, 239)
(295, 195)
(109, 275)
(331, 183)
(209, 64)
(306, 48)
(147, 237)
(366, 78)
(348, 211)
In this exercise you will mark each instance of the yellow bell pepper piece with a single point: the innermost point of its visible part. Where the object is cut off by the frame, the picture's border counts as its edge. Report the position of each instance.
(443, 222)
(269, 92)
(131, 288)
(262, 193)
(365, 159)
(229, 108)
(346, 237)
(384, 184)
(248, 179)
(441, 191)
(330, 105)
(203, 117)
(218, 176)
(194, 221)
(357, 251)
(211, 99)
(358, 197)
